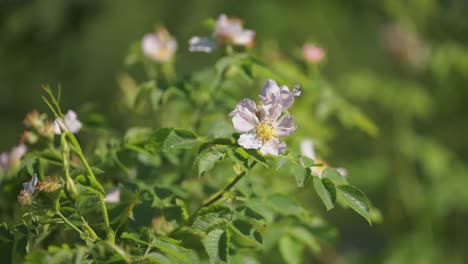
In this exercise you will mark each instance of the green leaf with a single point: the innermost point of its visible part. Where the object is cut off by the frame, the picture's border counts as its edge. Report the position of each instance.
(92, 183)
(144, 90)
(209, 221)
(307, 162)
(51, 155)
(326, 190)
(283, 204)
(155, 97)
(217, 141)
(355, 199)
(302, 175)
(239, 156)
(259, 207)
(170, 248)
(208, 158)
(138, 135)
(216, 244)
(334, 175)
(169, 139)
(291, 250)
(5, 233)
(127, 211)
(303, 235)
(224, 243)
(257, 156)
(245, 234)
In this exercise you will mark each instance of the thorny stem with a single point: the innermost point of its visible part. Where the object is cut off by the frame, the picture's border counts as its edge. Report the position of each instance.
(218, 195)
(228, 187)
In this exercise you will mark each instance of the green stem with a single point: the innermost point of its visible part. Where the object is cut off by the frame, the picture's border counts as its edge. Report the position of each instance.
(70, 224)
(77, 150)
(109, 232)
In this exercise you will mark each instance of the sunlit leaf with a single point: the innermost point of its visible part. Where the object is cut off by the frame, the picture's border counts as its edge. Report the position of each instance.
(355, 199)
(326, 191)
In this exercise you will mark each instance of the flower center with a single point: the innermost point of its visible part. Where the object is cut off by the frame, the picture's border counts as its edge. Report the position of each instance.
(264, 130)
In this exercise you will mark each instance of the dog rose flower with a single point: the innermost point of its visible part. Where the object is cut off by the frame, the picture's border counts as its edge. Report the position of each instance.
(261, 125)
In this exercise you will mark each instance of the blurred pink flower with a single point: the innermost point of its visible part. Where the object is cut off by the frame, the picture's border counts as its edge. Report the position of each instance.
(12, 158)
(159, 46)
(312, 53)
(227, 31)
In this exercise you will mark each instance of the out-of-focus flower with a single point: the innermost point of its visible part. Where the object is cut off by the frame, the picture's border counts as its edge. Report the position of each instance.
(25, 196)
(47, 129)
(312, 53)
(227, 31)
(70, 123)
(113, 195)
(200, 44)
(32, 119)
(405, 45)
(37, 125)
(12, 158)
(50, 184)
(307, 150)
(159, 46)
(260, 126)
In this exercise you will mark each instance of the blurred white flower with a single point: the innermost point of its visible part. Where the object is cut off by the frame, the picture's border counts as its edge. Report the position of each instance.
(12, 158)
(159, 46)
(113, 195)
(199, 44)
(70, 123)
(405, 45)
(227, 31)
(260, 126)
(312, 53)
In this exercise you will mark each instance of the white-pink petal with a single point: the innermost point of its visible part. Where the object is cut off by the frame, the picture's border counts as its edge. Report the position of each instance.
(285, 126)
(244, 116)
(273, 147)
(286, 97)
(270, 93)
(250, 141)
(70, 123)
(307, 149)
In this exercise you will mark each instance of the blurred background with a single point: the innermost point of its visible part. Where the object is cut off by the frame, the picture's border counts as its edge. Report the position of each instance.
(403, 62)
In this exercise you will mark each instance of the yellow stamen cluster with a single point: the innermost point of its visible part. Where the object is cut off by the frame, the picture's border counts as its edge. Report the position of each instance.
(264, 130)
(50, 184)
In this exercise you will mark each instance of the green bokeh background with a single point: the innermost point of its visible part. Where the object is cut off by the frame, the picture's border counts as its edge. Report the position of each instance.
(414, 170)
